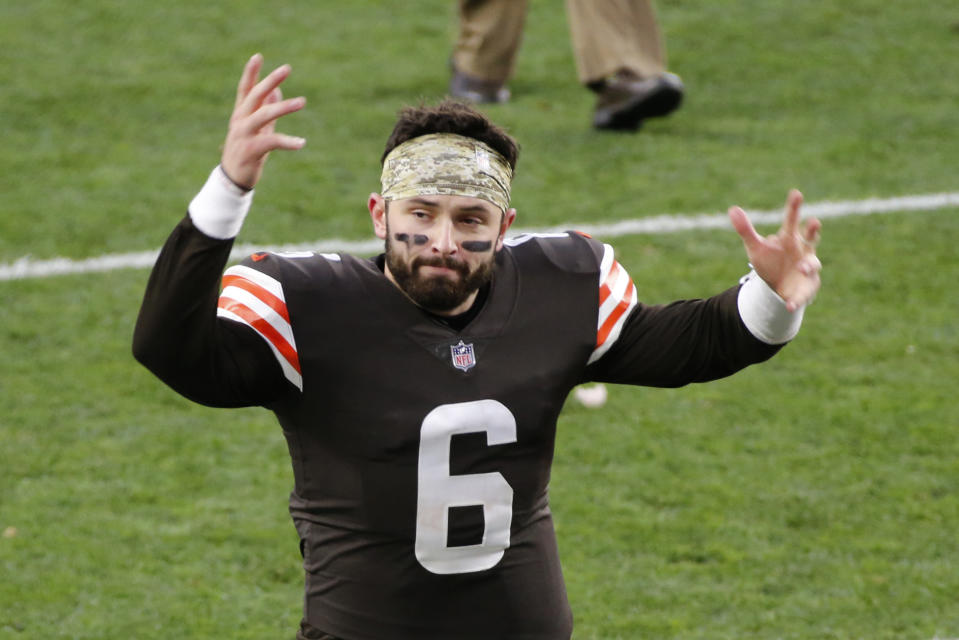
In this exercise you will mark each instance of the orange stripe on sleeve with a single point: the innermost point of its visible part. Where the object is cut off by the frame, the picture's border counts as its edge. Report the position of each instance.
(264, 328)
(607, 286)
(607, 327)
(265, 296)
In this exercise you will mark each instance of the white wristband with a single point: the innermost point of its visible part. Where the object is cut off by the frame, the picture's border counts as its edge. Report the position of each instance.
(220, 208)
(764, 313)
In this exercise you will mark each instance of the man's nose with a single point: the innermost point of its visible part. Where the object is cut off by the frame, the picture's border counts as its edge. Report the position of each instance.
(443, 241)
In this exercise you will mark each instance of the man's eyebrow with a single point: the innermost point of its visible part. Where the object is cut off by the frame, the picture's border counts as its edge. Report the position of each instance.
(426, 202)
(476, 210)
(470, 208)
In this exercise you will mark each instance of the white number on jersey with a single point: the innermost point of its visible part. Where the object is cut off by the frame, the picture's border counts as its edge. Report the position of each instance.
(438, 490)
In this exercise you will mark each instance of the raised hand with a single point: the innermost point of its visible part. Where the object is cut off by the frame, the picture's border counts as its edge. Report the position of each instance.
(252, 133)
(787, 260)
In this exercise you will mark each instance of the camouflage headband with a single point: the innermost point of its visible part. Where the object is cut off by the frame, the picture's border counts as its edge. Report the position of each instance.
(446, 164)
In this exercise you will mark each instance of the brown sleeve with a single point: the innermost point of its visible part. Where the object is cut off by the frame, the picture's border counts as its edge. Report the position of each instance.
(675, 344)
(179, 338)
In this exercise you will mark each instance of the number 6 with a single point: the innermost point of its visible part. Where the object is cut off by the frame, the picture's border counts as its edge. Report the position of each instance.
(438, 490)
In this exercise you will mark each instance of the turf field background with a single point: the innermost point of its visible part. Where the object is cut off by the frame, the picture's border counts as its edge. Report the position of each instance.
(815, 496)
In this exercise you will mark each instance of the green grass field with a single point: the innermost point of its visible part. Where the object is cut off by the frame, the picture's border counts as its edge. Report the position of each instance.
(815, 496)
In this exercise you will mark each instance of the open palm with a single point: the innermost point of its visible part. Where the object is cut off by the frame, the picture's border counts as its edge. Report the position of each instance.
(787, 260)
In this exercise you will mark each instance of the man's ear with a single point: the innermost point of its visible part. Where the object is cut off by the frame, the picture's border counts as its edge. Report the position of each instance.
(377, 207)
(505, 224)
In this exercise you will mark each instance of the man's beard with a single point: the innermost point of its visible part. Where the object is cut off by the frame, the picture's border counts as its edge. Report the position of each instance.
(439, 293)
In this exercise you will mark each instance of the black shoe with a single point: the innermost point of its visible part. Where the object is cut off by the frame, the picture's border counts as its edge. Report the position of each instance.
(624, 101)
(476, 90)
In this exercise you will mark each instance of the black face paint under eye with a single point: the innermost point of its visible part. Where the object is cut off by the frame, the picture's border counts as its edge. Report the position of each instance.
(477, 246)
(419, 240)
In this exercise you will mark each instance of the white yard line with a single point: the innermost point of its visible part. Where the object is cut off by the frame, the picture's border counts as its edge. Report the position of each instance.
(26, 267)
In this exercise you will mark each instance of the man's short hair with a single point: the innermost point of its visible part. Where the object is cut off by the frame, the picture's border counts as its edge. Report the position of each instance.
(451, 116)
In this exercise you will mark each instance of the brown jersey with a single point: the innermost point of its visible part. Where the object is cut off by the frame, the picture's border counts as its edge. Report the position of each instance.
(421, 453)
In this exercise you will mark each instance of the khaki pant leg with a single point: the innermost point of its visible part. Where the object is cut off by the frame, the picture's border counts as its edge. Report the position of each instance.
(609, 35)
(489, 38)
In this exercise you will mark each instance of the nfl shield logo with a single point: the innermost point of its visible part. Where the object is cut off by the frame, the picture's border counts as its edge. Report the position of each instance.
(463, 357)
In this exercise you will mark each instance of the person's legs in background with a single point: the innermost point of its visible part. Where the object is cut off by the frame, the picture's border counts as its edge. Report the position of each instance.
(620, 55)
(486, 48)
(617, 45)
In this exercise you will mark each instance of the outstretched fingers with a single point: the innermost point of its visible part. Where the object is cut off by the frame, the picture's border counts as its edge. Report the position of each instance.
(257, 94)
(786, 261)
(248, 78)
(274, 108)
(741, 223)
(284, 142)
(252, 132)
(811, 233)
(791, 219)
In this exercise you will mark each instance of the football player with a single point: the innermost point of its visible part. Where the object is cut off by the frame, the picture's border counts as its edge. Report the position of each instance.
(419, 390)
